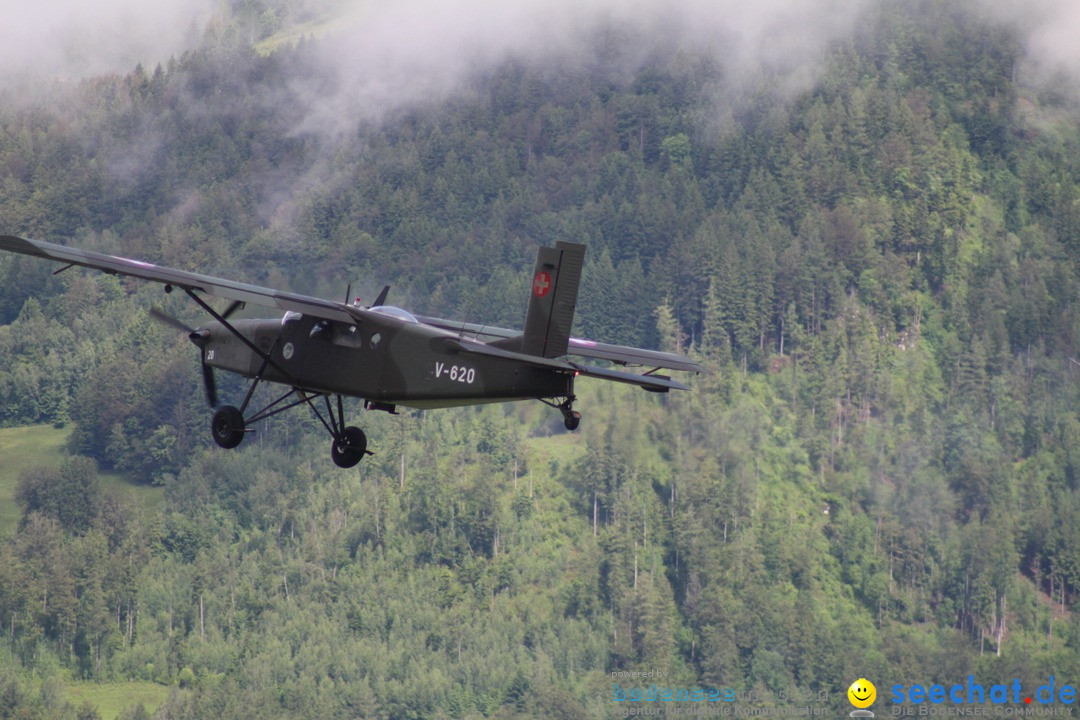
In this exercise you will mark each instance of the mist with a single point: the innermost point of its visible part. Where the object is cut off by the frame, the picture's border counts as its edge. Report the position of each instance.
(1049, 30)
(371, 60)
(72, 39)
(374, 59)
(380, 58)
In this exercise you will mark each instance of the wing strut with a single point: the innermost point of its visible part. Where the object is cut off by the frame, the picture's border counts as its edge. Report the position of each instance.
(267, 357)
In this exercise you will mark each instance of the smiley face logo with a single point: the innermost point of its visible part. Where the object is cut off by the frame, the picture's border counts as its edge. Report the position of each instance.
(862, 693)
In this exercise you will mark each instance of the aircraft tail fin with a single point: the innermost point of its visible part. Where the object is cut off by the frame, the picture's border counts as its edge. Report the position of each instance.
(553, 299)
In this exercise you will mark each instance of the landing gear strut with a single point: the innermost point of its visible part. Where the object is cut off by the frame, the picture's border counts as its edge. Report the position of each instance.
(571, 417)
(349, 445)
(229, 425)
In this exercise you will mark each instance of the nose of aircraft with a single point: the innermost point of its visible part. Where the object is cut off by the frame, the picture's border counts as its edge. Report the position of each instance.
(199, 337)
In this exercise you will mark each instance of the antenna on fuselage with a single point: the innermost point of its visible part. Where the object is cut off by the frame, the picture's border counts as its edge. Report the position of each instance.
(381, 300)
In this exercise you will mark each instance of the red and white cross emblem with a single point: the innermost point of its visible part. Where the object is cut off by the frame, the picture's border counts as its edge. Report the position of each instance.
(541, 284)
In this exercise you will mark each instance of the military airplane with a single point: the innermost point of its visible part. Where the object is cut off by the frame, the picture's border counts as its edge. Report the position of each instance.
(323, 350)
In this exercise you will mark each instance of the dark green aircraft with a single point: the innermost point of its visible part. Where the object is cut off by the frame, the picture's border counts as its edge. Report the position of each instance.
(387, 356)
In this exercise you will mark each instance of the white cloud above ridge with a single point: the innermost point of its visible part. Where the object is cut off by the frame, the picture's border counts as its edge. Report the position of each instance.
(74, 39)
(382, 55)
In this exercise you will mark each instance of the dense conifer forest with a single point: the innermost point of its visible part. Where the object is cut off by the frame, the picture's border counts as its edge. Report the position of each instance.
(877, 478)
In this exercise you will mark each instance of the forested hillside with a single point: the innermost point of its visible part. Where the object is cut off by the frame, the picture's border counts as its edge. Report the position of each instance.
(877, 478)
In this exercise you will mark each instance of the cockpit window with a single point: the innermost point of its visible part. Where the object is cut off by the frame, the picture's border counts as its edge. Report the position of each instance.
(396, 312)
(290, 317)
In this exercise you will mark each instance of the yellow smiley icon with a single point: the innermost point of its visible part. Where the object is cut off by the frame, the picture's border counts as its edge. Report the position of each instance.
(862, 693)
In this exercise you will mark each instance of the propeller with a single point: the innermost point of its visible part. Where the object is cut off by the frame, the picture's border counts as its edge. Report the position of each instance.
(165, 318)
(209, 385)
(199, 337)
(233, 307)
(173, 322)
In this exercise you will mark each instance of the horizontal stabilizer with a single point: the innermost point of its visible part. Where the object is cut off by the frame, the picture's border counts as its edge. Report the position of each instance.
(654, 383)
(472, 347)
(632, 356)
(618, 354)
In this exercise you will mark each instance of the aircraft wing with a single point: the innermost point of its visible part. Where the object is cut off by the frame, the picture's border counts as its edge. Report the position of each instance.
(267, 297)
(653, 383)
(329, 310)
(618, 354)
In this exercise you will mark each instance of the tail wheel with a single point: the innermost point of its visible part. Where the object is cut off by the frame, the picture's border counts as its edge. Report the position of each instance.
(349, 449)
(227, 427)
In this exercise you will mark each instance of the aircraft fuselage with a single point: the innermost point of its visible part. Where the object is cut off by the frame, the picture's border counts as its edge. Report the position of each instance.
(393, 361)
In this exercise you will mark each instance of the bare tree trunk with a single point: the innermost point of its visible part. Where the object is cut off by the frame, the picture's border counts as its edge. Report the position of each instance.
(1001, 625)
(594, 508)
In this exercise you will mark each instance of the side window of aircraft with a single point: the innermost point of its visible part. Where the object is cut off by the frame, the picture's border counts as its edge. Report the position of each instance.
(375, 340)
(348, 336)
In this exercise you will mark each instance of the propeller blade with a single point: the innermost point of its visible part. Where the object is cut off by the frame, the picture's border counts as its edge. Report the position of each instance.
(164, 317)
(209, 385)
(233, 307)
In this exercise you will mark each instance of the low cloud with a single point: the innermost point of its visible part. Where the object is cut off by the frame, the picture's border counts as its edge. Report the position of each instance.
(1048, 32)
(385, 56)
(378, 57)
(1052, 44)
(74, 39)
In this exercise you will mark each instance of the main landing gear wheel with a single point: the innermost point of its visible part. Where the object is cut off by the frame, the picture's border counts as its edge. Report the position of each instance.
(227, 427)
(571, 417)
(571, 420)
(349, 449)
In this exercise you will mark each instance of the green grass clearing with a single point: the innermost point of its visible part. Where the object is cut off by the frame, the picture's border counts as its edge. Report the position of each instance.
(291, 35)
(111, 699)
(22, 448)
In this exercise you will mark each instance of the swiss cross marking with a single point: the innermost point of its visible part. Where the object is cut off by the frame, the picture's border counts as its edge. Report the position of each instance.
(541, 284)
